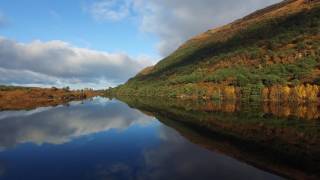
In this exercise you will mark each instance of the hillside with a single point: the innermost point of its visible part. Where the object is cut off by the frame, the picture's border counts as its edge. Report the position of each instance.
(271, 54)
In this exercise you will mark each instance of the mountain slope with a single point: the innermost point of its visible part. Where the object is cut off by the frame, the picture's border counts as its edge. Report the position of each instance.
(273, 49)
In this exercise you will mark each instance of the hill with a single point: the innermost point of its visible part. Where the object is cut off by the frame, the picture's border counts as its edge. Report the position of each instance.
(271, 54)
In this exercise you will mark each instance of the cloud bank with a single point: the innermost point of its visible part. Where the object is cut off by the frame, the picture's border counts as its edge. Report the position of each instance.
(58, 63)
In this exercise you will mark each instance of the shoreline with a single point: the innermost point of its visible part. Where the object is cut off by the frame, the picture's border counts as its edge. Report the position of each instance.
(19, 98)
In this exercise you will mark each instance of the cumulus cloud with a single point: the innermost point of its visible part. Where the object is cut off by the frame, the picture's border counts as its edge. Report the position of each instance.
(58, 62)
(175, 21)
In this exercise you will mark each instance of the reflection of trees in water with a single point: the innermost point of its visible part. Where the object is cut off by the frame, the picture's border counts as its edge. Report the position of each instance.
(306, 111)
(303, 111)
(276, 131)
(260, 156)
(268, 121)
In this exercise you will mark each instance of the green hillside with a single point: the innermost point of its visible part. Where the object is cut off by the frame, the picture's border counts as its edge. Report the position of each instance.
(273, 53)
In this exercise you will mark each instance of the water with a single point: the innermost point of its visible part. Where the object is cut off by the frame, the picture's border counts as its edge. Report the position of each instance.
(106, 139)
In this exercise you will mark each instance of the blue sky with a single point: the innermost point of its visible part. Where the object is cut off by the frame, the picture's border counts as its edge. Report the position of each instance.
(101, 43)
(68, 21)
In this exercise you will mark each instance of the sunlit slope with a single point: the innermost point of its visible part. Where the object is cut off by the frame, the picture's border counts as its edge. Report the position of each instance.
(278, 45)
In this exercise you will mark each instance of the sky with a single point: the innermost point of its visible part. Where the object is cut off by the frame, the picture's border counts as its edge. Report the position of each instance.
(101, 43)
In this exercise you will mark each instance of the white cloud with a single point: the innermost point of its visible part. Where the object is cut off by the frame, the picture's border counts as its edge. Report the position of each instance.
(113, 10)
(175, 21)
(60, 63)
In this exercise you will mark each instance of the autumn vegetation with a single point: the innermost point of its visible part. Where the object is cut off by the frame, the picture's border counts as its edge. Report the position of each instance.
(270, 55)
(17, 98)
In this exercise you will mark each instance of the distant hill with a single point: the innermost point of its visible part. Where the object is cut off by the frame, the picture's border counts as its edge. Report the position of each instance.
(271, 54)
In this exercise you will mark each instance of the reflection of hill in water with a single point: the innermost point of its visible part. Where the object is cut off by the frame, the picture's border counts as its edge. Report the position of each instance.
(282, 139)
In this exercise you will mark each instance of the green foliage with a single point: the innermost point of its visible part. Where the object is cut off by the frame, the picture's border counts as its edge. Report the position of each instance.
(301, 45)
(317, 81)
(216, 95)
(273, 34)
(268, 75)
(221, 75)
(192, 78)
(276, 51)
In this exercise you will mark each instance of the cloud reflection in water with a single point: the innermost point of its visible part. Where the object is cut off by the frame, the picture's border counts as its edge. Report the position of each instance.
(59, 125)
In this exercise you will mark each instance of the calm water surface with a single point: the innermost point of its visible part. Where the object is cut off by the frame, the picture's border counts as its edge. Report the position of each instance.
(106, 139)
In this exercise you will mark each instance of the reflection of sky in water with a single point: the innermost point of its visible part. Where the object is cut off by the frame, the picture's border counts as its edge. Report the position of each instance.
(104, 139)
(60, 124)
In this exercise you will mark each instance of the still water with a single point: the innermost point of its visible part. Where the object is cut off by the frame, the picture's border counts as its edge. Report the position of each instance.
(107, 139)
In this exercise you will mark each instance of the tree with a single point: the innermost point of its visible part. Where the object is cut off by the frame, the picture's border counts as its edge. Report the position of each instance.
(229, 92)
